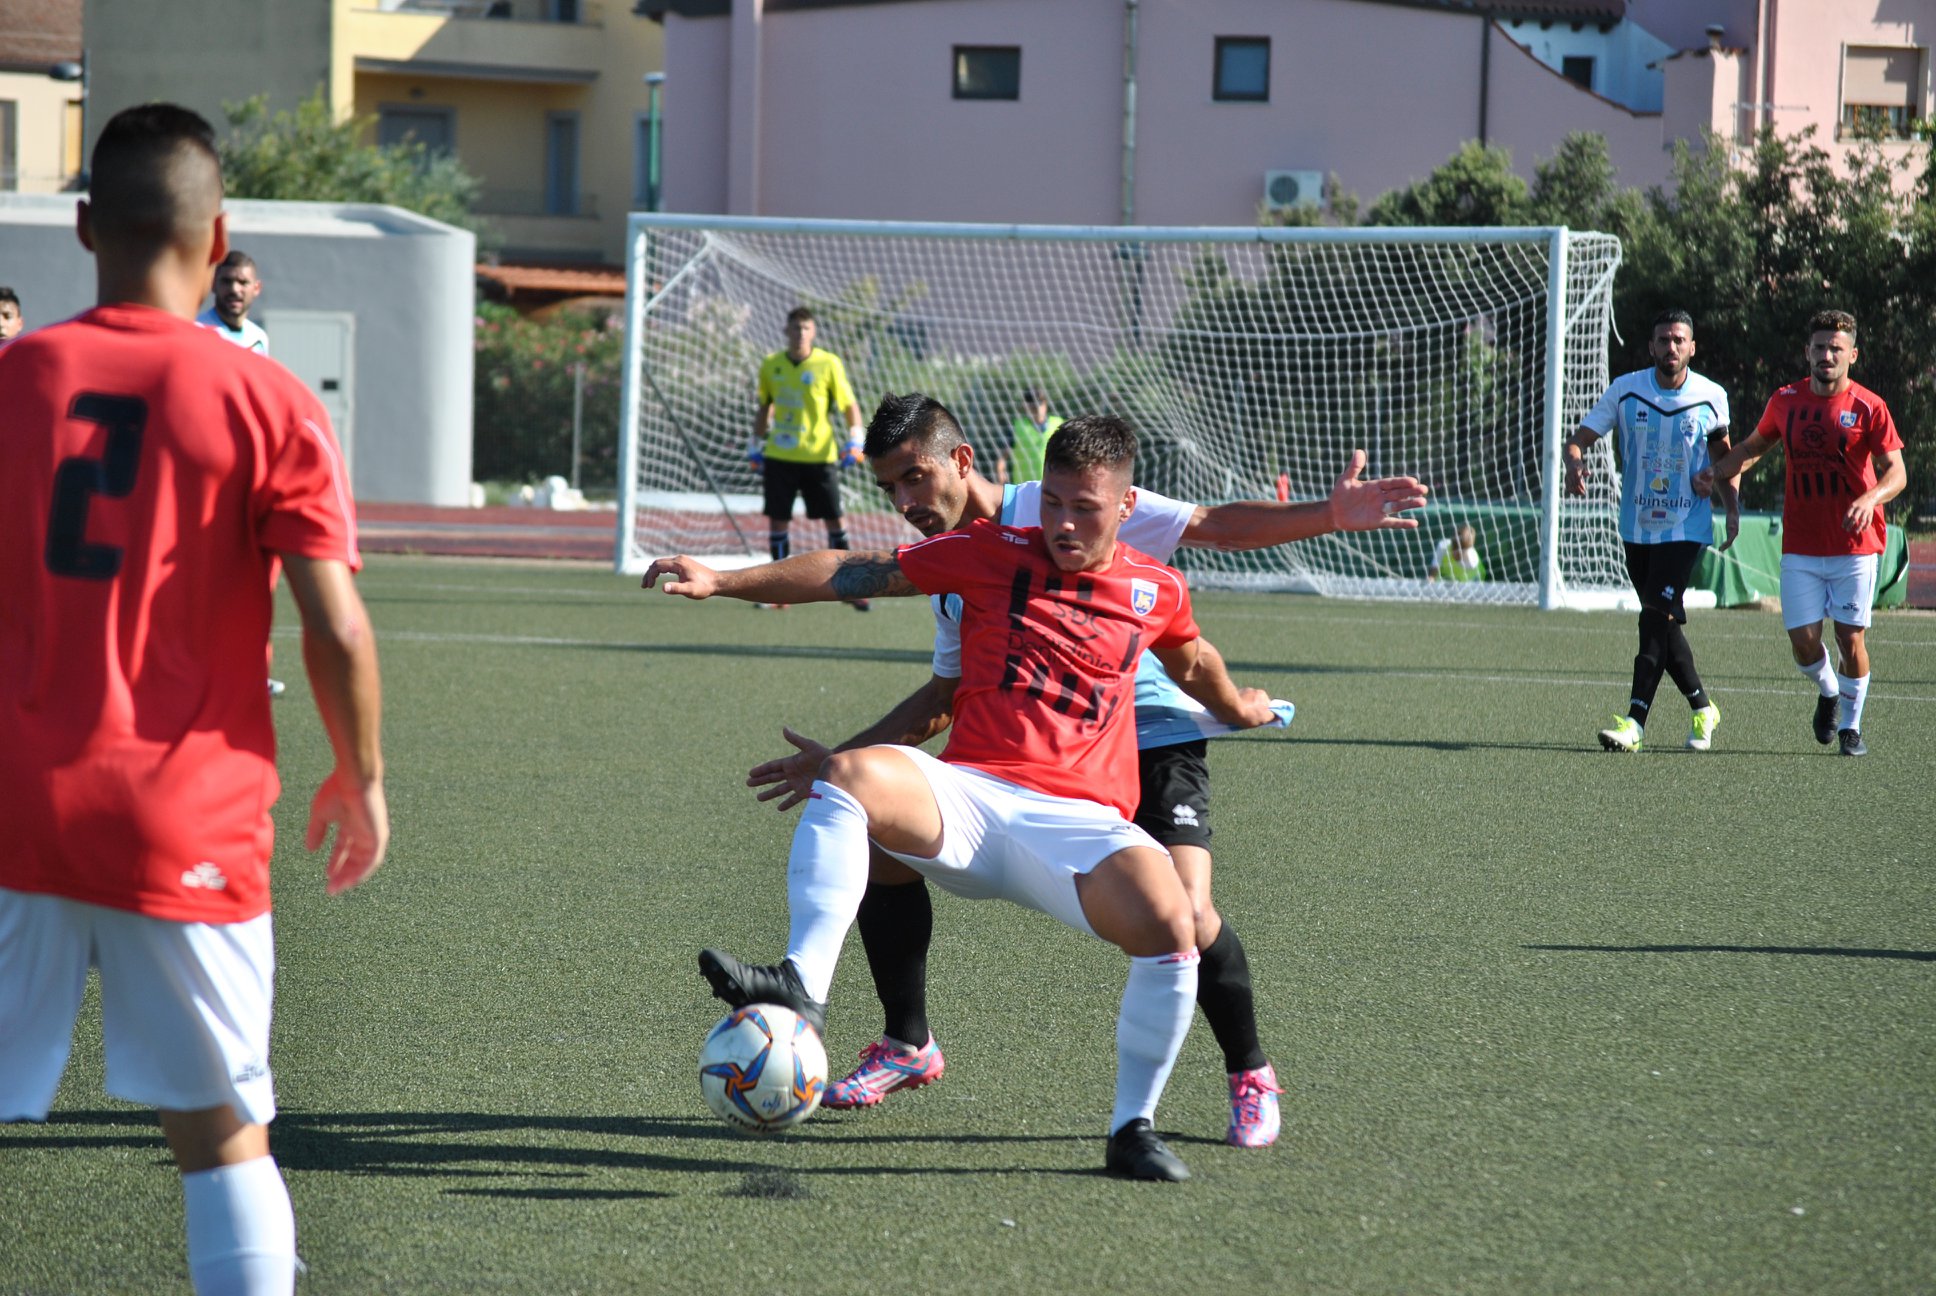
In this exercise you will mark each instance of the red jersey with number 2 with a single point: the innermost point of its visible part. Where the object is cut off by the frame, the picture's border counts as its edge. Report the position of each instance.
(1830, 443)
(1047, 697)
(150, 472)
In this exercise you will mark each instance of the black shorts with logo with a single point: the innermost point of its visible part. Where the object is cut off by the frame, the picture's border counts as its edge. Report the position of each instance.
(1660, 574)
(817, 484)
(1175, 808)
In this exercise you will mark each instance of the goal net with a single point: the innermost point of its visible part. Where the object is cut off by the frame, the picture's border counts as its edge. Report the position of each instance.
(1250, 361)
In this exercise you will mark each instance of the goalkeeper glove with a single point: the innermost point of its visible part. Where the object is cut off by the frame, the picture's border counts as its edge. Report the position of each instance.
(852, 457)
(756, 456)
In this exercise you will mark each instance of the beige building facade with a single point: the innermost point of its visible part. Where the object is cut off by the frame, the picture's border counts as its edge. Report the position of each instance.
(40, 97)
(543, 100)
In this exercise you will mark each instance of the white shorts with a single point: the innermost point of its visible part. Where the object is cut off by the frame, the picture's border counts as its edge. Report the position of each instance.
(1841, 588)
(184, 1006)
(1001, 840)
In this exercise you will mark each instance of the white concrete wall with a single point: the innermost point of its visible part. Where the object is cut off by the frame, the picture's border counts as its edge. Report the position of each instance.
(409, 282)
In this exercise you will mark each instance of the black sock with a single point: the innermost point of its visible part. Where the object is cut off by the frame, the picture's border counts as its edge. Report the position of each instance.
(1223, 992)
(896, 922)
(777, 544)
(836, 536)
(1647, 664)
(1678, 657)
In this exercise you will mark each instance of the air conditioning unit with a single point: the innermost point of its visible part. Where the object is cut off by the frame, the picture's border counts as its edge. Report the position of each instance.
(1293, 189)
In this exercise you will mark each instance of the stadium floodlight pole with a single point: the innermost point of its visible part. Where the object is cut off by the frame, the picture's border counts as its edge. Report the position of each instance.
(1551, 583)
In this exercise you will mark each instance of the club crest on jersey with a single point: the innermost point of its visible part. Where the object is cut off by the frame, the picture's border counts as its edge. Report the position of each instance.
(1142, 597)
(1848, 418)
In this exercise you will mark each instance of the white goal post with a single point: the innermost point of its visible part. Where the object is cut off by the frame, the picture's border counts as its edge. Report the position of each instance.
(1250, 361)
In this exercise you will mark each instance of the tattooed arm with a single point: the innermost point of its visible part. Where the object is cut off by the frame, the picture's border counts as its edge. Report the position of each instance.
(821, 577)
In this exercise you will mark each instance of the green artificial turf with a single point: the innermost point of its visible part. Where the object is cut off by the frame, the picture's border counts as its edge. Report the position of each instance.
(1549, 1019)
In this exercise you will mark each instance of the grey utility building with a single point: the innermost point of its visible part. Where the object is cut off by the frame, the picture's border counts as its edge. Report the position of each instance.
(371, 306)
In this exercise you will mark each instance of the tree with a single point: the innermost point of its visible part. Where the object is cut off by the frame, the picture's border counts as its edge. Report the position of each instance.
(307, 155)
(1751, 243)
(1753, 247)
(1475, 186)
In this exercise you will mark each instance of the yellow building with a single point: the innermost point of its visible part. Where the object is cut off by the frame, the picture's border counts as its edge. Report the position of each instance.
(544, 101)
(40, 114)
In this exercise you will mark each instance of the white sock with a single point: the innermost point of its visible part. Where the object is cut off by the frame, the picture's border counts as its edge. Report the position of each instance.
(1855, 691)
(1158, 1003)
(826, 876)
(1823, 673)
(241, 1230)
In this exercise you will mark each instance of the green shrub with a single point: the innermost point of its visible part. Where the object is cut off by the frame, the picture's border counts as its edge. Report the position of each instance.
(523, 395)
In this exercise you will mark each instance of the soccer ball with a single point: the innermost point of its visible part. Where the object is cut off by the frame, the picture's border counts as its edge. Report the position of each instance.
(763, 1069)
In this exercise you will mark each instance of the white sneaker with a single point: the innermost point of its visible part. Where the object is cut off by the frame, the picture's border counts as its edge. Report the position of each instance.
(1700, 735)
(1623, 736)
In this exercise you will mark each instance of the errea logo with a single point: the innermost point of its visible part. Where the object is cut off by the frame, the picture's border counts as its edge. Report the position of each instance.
(204, 877)
(1012, 538)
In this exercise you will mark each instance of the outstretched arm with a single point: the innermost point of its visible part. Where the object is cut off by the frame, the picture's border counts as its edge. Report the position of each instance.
(1735, 462)
(825, 576)
(916, 718)
(1354, 505)
(1197, 668)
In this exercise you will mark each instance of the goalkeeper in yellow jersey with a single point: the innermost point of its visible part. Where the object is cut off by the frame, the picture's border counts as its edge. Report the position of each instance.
(795, 448)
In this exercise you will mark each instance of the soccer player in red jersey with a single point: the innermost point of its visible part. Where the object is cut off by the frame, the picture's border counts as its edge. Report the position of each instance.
(151, 475)
(1836, 433)
(1031, 800)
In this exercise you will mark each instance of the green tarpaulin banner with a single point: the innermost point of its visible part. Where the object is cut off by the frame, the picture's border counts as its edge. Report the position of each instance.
(1751, 568)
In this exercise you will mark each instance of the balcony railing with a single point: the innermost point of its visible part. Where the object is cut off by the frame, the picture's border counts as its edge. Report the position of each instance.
(535, 202)
(574, 12)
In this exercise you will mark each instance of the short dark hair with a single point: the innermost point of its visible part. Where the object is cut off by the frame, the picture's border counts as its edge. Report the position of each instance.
(800, 315)
(1675, 316)
(238, 260)
(9, 295)
(1832, 321)
(915, 418)
(1031, 396)
(1091, 441)
(155, 174)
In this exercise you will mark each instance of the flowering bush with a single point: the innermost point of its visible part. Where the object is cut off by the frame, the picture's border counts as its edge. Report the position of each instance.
(523, 389)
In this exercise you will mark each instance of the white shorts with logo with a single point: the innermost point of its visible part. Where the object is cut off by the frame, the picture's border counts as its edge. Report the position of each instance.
(1000, 840)
(1841, 588)
(184, 1006)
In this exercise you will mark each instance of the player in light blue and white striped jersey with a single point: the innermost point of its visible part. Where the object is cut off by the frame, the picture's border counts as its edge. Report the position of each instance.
(1668, 424)
(920, 458)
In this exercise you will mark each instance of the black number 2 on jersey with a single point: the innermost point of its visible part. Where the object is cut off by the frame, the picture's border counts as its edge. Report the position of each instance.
(78, 479)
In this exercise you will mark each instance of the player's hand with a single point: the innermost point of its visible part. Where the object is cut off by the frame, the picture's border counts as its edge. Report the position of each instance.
(1576, 475)
(1254, 708)
(756, 456)
(1703, 483)
(1374, 505)
(1860, 515)
(852, 456)
(689, 577)
(788, 777)
(361, 818)
(1731, 522)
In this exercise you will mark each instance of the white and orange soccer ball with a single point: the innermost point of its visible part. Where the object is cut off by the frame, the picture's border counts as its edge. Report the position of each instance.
(763, 1069)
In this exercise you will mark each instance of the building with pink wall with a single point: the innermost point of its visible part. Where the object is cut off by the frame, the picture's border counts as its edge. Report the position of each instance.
(1174, 111)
